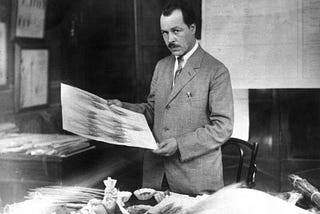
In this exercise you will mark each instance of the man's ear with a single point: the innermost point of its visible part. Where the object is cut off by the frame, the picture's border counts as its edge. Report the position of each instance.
(193, 28)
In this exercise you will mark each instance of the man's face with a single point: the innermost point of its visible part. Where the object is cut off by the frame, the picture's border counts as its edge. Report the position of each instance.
(178, 37)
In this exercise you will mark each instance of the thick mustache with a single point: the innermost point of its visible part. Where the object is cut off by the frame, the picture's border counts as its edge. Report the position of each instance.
(171, 45)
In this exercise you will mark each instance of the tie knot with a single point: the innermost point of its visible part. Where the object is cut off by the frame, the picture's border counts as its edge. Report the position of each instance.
(180, 59)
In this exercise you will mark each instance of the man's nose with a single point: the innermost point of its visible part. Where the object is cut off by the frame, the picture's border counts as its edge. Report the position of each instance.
(171, 37)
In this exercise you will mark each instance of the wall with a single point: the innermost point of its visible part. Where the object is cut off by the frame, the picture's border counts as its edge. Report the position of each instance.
(265, 44)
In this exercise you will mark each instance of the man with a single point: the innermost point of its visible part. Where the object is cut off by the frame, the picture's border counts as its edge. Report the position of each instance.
(190, 110)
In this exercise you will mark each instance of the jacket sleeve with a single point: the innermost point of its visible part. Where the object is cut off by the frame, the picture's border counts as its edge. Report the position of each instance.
(211, 136)
(146, 108)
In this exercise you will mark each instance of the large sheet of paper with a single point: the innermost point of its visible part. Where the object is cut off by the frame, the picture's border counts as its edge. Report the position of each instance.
(90, 116)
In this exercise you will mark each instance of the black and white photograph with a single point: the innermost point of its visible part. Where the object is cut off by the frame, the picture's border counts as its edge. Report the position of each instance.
(159, 106)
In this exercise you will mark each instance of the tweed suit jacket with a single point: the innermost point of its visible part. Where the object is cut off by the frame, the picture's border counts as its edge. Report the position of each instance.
(198, 113)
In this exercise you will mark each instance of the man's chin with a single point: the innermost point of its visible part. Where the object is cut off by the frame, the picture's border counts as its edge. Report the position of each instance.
(175, 53)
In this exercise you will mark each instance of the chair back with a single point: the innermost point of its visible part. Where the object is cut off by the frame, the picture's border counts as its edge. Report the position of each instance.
(245, 153)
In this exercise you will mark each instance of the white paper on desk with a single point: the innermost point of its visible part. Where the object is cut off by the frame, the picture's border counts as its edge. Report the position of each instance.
(88, 115)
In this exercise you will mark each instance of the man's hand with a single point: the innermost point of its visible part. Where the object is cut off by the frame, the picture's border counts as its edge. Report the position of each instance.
(115, 102)
(167, 147)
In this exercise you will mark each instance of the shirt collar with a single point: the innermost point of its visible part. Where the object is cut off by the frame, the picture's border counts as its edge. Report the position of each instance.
(188, 55)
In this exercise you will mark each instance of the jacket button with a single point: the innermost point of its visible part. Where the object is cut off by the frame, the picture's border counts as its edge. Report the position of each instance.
(166, 128)
(168, 107)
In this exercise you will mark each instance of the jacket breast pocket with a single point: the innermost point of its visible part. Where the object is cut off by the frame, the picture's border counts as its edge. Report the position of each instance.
(195, 101)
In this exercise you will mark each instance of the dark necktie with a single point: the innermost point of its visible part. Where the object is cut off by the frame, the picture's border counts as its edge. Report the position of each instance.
(179, 69)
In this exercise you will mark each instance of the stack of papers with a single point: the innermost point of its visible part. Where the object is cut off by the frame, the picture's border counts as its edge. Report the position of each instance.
(42, 144)
(8, 127)
(90, 116)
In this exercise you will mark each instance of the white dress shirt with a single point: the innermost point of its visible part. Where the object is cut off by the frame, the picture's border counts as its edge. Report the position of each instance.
(185, 59)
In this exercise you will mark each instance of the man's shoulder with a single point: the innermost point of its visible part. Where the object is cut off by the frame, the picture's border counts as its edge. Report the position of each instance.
(210, 59)
(166, 59)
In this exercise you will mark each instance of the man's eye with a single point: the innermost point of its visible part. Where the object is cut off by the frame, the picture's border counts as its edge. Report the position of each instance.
(176, 31)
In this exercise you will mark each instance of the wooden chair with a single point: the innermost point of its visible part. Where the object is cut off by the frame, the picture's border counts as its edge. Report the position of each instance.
(237, 149)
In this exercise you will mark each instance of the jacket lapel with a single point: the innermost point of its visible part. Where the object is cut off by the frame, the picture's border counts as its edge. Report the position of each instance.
(169, 77)
(188, 72)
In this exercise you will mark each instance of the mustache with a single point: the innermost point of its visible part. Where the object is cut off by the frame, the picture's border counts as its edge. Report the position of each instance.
(172, 45)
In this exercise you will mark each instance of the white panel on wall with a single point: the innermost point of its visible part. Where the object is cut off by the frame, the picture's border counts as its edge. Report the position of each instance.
(241, 114)
(265, 43)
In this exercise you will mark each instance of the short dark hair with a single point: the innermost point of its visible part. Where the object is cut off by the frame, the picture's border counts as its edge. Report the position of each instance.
(186, 8)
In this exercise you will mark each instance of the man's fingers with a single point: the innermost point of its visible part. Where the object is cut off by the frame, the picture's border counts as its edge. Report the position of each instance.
(161, 151)
(161, 148)
(163, 144)
(114, 102)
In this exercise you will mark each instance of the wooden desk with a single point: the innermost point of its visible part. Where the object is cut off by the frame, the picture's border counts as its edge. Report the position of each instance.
(20, 172)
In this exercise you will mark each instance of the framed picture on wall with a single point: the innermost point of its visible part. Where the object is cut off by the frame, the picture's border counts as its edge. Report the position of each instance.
(31, 77)
(29, 18)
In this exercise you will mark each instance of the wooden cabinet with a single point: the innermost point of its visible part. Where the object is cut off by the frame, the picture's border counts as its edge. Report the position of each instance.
(285, 122)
